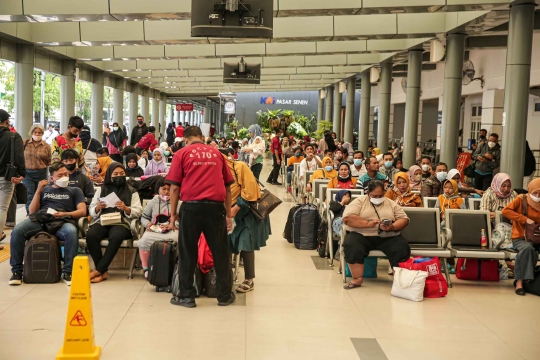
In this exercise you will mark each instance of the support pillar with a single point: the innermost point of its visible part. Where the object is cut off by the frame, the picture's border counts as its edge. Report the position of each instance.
(155, 116)
(453, 75)
(24, 89)
(118, 103)
(97, 105)
(363, 126)
(516, 95)
(176, 116)
(412, 107)
(320, 108)
(337, 112)
(145, 106)
(67, 93)
(383, 131)
(133, 106)
(349, 110)
(207, 114)
(328, 103)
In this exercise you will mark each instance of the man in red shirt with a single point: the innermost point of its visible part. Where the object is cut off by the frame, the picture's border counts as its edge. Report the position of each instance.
(200, 177)
(180, 131)
(276, 152)
(212, 129)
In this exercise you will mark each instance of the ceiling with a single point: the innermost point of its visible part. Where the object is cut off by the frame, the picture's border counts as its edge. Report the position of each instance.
(149, 42)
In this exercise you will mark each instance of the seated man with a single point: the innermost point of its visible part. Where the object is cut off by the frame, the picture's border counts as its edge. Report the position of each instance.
(372, 167)
(76, 177)
(67, 201)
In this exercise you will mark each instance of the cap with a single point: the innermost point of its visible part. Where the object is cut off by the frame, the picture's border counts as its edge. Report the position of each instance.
(178, 139)
(4, 115)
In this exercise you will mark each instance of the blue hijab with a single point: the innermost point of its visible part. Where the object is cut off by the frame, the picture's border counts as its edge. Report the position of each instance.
(255, 129)
(341, 194)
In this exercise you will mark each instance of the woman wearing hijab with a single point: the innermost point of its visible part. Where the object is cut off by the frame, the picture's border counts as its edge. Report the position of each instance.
(129, 207)
(116, 140)
(344, 180)
(132, 166)
(171, 134)
(90, 146)
(327, 172)
(454, 174)
(255, 131)
(100, 169)
(449, 199)
(401, 192)
(157, 165)
(348, 152)
(377, 153)
(241, 155)
(498, 195)
(527, 256)
(415, 178)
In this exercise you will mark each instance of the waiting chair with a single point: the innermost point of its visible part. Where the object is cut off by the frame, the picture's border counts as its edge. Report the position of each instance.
(429, 202)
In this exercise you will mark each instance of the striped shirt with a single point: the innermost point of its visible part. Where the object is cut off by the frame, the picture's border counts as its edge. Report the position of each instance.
(492, 203)
(37, 157)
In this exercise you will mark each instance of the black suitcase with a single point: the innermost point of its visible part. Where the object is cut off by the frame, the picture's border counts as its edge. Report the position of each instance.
(161, 263)
(287, 232)
(42, 259)
(306, 221)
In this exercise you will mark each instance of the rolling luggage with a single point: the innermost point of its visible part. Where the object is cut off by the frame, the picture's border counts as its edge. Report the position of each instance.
(306, 221)
(161, 263)
(287, 232)
(42, 259)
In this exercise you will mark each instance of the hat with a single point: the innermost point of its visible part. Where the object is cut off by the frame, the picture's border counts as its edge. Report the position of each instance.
(4, 115)
(178, 139)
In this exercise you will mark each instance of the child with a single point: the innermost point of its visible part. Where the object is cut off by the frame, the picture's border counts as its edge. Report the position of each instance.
(258, 149)
(157, 165)
(449, 199)
(143, 161)
(132, 167)
(343, 198)
(155, 220)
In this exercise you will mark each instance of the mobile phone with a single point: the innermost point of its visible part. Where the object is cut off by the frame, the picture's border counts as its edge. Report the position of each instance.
(387, 222)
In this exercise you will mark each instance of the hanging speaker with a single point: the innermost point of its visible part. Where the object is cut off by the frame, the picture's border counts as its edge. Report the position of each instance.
(436, 51)
(342, 87)
(374, 75)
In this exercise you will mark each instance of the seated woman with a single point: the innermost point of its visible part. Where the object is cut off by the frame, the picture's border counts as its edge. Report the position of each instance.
(449, 199)
(100, 168)
(155, 220)
(327, 172)
(398, 164)
(344, 180)
(337, 206)
(498, 195)
(129, 207)
(132, 166)
(415, 178)
(454, 174)
(373, 222)
(157, 165)
(401, 192)
(527, 256)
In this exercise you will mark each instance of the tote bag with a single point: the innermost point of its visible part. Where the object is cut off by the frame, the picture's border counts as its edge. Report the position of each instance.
(409, 284)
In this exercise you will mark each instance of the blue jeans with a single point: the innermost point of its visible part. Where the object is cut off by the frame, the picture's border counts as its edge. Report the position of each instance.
(6, 192)
(31, 180)
(289, 175)
(67, 233)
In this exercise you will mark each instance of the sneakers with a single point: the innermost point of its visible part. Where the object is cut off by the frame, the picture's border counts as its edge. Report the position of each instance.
(16, 279)
(67, 278)
(10, 224)
(185, 302)
(228, 302)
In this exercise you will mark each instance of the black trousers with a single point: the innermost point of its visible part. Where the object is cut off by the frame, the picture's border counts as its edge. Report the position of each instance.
(116, 234)
(249, 263)
(209, 219)
(358, 246)
(256, 170)
(274, 174)
(482, 182)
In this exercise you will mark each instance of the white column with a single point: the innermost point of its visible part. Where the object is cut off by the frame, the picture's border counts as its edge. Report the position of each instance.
(133, 107)
(24, 91)
(67, 93)
(97, 106)
(145, 105)
(118, 103)
(155, 114)
(182, 117)
(162, 110)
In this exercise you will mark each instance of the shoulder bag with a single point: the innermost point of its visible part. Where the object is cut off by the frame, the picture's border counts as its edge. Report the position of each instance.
(532, 231)
(382, 233)
(409, 284)
(20, 192)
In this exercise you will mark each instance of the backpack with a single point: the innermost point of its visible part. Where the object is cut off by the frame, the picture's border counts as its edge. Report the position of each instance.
(42, 259)
(322, 238)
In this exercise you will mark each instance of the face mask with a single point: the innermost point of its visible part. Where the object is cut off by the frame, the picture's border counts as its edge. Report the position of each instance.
(388, 164)
(165, 197)
(167, 153)
(376, 201)
(534, 198)
(140, 122)
(118, 180)
(72, 135)
(115, 128)
(297, 155)
(491, 144)
(417, 177)
(70, 167)
(328, 168)
(482, 137)
(441, 176)
(425, 168)
(357, 162)
(37, 137)
(62, 182)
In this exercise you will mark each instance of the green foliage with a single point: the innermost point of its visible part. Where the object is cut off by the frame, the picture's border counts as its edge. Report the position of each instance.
(243, 133)
(323, 126)
(83, 97)
(306, 122)
(296, 130)
(288, 113)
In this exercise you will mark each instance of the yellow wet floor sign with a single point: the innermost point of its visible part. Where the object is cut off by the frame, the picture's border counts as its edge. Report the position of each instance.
(79, 336)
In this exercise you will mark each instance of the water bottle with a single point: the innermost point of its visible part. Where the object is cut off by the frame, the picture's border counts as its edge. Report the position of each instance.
(483, 238)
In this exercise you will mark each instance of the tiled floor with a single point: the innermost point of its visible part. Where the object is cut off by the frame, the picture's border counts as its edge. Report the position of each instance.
(295, 312)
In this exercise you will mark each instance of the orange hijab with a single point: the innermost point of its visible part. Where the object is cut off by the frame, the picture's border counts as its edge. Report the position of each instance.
(451, 202)
(104, 163)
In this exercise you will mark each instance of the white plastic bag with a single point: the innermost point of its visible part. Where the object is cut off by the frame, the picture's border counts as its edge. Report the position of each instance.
(409, 284)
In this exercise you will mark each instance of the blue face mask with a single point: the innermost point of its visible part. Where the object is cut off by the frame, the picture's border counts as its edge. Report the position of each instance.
(388, 164)
(328, 168)
(357, 162)
(441, 176)
(167, 153)
(297, 155)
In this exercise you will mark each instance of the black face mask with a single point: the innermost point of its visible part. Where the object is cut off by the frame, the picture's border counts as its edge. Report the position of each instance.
(70, 167)
(72, 135)
(118, 180)
(482, 137)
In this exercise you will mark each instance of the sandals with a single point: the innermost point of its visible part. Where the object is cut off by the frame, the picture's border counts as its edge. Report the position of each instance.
(352, 285)
(245, 287)
(3, 237)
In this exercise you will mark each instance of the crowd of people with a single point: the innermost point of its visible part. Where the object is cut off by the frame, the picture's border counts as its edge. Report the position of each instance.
(68, 177)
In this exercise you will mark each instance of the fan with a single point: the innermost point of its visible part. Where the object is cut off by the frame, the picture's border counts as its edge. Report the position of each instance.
(468, 74)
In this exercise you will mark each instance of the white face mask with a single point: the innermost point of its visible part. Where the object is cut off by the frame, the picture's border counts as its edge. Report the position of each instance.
(491, 144)
(425, 167)
(37, 137)
(63, 182)
(376, 201)
(534, 198)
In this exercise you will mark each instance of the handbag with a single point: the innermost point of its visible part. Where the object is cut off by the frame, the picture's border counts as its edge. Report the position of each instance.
(11, 169)
(436, 285)
(111, 219)
(385, 234)
(532, 231)
(409, 284)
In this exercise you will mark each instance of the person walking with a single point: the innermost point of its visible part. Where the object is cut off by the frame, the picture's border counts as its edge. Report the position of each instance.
(37, 158)
(90, 147)
(204, 176)
(138, 131)
(7, 185)
(171, 134)
(276, 154)
(69, 140)
(116, 141)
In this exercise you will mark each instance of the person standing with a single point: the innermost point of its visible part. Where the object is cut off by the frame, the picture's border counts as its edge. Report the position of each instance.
(212, 130)
(50, 134)
(138, 131)
(204, 177)
(7, 186)
(179, 131)
(90, 147)
(487, 158)
(69, 140)
(171, 132)
(37, 158)
(254, 132)
(276, 154)
(116, 141)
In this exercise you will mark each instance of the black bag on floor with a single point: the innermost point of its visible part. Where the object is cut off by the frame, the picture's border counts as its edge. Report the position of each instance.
(197, 282)
(42, 259)
(322, 239)
(533, 286)
(162, 263)
(306, 221)
(210, 283)
(287, 233)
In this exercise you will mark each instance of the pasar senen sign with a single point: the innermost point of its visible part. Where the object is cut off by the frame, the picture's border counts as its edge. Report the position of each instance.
(269, 100)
